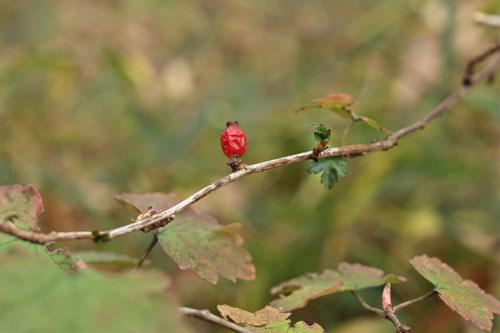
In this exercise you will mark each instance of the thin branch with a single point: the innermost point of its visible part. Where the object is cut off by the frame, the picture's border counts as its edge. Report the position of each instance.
(488, 20)
(346, 131)
(389, 315)
(400, 328)
(415, 300)
(365, 305)
(208, 316)
(148, 251)
(347, 151)
(472, 64)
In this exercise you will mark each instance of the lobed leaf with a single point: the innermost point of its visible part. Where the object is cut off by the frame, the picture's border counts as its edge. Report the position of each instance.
(207, 248)
(262, 317)
(196, 241)
(321, 133)
(296, 292)
(462, 296)
(331, 168)
(267, 320)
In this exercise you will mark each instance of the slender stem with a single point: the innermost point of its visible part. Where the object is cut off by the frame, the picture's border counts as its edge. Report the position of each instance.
(365, 305)
(148, 251)
(400, 328)
(208, 316)
(346, 131)
(492, 21)
(347, 151)
(472, 64)
(413, 301)
(386, 314)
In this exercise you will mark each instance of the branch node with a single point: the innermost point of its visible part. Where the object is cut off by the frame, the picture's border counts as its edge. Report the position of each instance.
(236, 164)
(158, 224)
(320, 146)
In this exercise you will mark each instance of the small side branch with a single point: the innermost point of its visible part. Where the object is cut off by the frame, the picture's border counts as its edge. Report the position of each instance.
(365, 305)
(472, 64)
(148, 251)
(208, 316)
(415, 300)
(389, 315)
(492, 21)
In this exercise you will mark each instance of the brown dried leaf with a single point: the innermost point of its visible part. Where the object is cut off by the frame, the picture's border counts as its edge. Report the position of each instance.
(262, 317)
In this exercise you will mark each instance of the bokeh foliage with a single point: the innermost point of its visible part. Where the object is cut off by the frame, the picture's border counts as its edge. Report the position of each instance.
(103, 97)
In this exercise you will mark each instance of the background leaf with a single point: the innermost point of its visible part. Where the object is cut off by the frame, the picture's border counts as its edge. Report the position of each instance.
(462, 296)
(106, 258)
(296, 292)
(39, 297)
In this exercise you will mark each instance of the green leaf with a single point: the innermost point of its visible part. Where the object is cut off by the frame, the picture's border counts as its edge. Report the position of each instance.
(197, 241)
(207, 248)
(62, 258)
(462, 296)
(331, 167)
(267, 320)
(39, 297)
(296, 292)
(371, 122)
(321, 133)
(340, 104)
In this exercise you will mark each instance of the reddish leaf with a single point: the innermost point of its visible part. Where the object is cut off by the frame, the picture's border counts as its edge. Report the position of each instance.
(21, 205)
(462, 296)
(335, 101)
(196, 241)
(297, 292)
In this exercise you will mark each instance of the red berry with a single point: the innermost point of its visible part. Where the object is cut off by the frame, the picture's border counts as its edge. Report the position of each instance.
(233, 141)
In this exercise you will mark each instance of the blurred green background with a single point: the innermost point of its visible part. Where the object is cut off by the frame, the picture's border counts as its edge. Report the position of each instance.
(103, 97)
